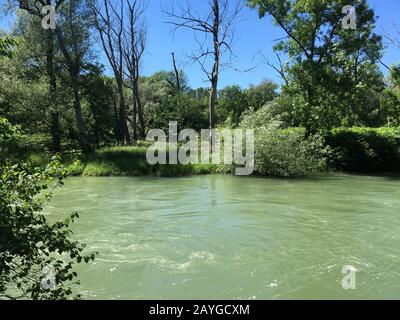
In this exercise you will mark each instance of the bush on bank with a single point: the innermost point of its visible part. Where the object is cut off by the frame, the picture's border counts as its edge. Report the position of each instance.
(365, 150)
(288, 153)
(282, 151)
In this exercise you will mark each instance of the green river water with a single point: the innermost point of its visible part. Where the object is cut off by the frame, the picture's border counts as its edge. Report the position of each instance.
(225, 237)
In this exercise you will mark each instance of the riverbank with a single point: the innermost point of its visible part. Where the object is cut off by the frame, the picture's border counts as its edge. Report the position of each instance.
(284, 153)
(123, 161)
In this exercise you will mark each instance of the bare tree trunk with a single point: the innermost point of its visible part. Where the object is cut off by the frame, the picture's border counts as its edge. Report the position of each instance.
(211, 105)
(133, 53)
(177, 77)
(83, 136)
(217, 27)
(134, 122)
(118, 134)
(215, 71)
(55, 117)
(140, 111)
(109, 22)
(123, 125)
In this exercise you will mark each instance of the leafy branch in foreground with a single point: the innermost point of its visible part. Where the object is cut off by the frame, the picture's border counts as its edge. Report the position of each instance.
(29, 244)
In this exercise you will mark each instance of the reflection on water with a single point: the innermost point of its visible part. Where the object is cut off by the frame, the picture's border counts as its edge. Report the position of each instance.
(227, 237)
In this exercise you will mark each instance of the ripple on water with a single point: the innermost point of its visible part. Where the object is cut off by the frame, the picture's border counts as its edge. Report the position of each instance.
(225, 237)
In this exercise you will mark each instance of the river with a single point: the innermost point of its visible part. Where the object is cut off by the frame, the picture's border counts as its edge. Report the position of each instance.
(226, 237)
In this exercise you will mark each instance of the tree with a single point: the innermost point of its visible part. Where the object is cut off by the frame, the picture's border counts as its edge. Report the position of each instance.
(24, 91)
(217, 29)
(98, 98)
(390, 99)
(394, 39)
(73, 38)
(177, 73)
(179, 107)
(134, 46)
(109, 21)
(259, 95)
(73, 34)
(331, 69)
(231, 104)
(40, 42)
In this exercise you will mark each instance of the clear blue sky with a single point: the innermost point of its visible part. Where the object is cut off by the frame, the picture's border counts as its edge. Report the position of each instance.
(253, 36)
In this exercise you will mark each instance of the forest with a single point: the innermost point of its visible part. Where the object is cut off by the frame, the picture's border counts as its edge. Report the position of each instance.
(65, 111)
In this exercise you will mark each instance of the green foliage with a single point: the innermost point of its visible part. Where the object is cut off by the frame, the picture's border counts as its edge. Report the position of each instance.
(6, 45)
(121, 161)
(365, 149)
(230, 106)
(259, 95)
(332, 74)
(281, 151)
(28, 242)
(234, 101)
(9, 137)
(98, 94)
(287, 153)
(279, 110)
(179, 107)
(390, 99)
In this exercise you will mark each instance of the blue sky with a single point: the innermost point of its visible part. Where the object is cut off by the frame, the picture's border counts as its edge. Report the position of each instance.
(253, 35)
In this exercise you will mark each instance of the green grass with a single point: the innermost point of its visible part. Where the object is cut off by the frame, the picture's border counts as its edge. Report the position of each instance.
(122, 161)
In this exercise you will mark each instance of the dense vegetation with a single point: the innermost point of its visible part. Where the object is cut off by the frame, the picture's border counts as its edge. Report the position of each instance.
(334, 111)
(331, 79)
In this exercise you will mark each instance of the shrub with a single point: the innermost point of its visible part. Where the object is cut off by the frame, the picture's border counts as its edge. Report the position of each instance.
(365, 149)
(287, 153)
(9, 138)
(29, 244)
(279, 110)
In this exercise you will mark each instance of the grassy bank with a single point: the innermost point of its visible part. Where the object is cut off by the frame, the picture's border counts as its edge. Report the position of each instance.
(122, 161)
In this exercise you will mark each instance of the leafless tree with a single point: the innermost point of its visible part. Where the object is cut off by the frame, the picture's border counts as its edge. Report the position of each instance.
(74, 64)
(133, 50)
(393, 39)
(109, 20)
(280, 69)
(177, 75)
(214, 35)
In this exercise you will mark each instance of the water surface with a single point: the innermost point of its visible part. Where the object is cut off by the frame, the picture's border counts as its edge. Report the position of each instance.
(225, 237)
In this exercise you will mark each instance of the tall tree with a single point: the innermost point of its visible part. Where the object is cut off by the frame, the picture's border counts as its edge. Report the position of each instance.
(110, 22)
(73, 38)
(134, 47)
(45, 40)
(216, 27)
(331, 68)
(73, 34)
